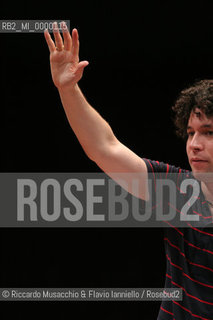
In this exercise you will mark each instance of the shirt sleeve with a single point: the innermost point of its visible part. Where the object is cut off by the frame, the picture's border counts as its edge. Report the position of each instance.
(161, 167)
(160, 170)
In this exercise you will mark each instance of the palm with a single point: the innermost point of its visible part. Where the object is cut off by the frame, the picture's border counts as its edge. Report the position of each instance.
(64, 59)
(63, 68)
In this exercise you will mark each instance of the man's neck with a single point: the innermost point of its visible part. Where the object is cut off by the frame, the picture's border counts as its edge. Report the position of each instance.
(207, 189)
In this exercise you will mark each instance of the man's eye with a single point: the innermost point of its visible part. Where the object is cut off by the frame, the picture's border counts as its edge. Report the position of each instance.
(190, 134)
(209, 133)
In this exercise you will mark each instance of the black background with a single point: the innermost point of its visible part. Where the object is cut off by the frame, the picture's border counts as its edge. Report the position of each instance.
(141, 55)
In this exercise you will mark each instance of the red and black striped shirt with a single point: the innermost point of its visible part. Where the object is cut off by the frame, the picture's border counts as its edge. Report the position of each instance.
(189, 255)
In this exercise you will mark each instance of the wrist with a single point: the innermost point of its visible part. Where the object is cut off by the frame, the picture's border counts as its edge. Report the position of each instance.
(68, 89)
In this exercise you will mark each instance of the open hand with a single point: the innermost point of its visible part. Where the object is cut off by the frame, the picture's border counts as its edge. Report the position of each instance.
(66, 69)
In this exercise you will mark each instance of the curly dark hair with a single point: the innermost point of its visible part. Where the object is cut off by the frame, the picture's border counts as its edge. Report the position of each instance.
(198, 95)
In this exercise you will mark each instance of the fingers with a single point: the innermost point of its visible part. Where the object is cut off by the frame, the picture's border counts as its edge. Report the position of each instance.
(75, 44)
(50, 42)
(67, 43)
(67, 37)
(57, 37)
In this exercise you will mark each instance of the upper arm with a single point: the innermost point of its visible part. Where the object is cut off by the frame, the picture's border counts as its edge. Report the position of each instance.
(126, 168)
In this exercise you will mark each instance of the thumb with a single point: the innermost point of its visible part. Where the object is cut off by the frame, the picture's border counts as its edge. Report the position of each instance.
(81, 67)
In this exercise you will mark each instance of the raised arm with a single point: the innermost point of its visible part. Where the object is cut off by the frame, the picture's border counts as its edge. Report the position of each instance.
(93, 132)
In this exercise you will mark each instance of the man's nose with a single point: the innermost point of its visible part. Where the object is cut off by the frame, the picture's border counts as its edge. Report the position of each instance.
(196, 142)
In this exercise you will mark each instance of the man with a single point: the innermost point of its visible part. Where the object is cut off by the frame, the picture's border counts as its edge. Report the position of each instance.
(189, 251)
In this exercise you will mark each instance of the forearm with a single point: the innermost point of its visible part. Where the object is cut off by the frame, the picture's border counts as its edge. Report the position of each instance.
(92, 131)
